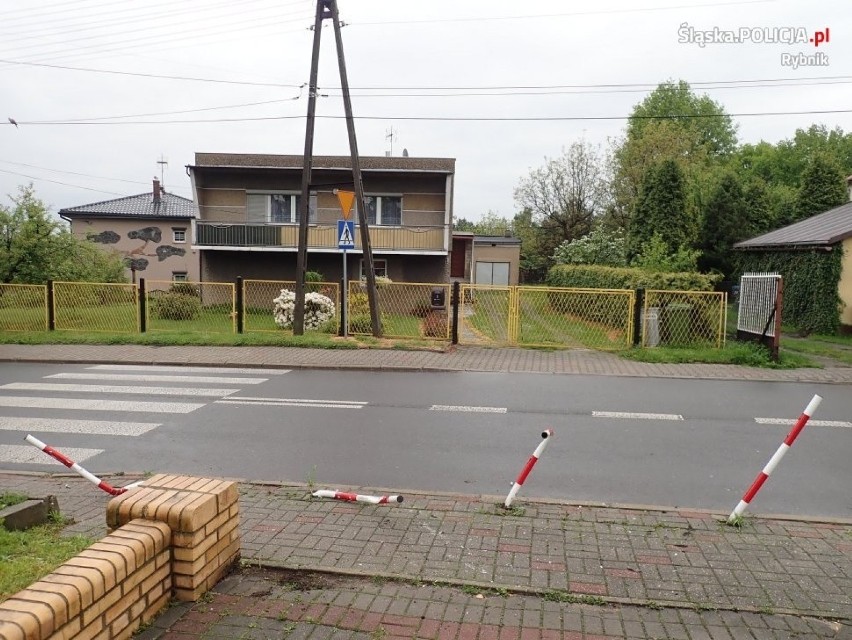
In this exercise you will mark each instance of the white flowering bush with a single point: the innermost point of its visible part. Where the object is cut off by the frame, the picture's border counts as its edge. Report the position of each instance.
(319, 309)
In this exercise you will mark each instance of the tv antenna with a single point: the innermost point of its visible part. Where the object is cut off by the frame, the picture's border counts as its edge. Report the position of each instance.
(390, 135)
(163, 164)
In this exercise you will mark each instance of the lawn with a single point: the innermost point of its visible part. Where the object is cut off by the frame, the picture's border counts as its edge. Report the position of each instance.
(27, 556)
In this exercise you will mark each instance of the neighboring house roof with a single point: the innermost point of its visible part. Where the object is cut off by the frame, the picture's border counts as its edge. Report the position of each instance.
(140, 206)
(505, 240)
(821, 230)
(368, 163)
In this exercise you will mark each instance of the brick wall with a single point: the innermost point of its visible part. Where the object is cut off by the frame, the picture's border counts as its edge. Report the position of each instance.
(107, 591)
(173, 536)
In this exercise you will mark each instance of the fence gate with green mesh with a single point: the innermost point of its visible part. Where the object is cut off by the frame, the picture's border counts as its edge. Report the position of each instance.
(684, 318)
(90, 306)
(190, 306)
(406, 309)
(259, 304)
(23, 307)
(546, 316)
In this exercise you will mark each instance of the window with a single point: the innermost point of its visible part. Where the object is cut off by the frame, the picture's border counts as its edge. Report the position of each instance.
(380, 267)
(384, 210)
(179, 276)
(179, 234)
(278, 208)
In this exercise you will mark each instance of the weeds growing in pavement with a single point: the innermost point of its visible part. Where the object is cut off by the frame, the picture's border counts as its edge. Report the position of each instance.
(558, 595)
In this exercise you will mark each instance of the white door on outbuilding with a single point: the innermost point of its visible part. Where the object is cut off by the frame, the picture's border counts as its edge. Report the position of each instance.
(493, 273)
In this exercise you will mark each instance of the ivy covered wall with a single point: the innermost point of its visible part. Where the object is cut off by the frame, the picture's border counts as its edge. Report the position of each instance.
(811, 299)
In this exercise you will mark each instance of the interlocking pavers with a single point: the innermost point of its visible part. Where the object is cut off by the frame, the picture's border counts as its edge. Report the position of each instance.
(573, 571)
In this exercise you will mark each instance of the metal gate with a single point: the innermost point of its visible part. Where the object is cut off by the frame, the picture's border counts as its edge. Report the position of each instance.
(546, 317)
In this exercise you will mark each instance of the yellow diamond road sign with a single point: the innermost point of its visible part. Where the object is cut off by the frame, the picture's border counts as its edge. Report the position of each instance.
(346, 198)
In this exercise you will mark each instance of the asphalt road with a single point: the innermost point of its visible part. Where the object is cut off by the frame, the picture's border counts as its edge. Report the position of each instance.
(687, 443)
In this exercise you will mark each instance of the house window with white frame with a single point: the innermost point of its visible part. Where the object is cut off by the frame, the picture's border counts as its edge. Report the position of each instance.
(180, 276)
(379, 266)
(278, 208)
(384, 210)
(178, 235)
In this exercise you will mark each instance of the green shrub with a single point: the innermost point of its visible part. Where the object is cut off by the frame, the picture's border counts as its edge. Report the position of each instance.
(185, 289)
(314, 276)
(599, 277)
(174, 306)
(360, 323)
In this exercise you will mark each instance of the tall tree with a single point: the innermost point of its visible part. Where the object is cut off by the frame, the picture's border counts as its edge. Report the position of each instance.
(823, 187)
(725, 220)
(34, 247)
(671, 123)
(661, 211)
(566, 194)
(701, 120)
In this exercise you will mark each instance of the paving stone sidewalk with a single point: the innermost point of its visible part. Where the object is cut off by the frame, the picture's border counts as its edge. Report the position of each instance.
(465, 358)
(453, 566)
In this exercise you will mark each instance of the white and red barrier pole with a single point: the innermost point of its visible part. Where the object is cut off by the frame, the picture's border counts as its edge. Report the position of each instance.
(68, 462)
(547, 434)
(775, 459)
(355, 497)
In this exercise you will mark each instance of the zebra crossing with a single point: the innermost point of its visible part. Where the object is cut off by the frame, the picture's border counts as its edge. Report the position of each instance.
(102, 388)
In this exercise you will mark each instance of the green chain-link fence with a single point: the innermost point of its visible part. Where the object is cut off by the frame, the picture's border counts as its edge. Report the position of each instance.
(23, 307)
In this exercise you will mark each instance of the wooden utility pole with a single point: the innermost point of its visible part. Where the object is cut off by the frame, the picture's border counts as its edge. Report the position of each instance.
(304, 205)
(328, 9)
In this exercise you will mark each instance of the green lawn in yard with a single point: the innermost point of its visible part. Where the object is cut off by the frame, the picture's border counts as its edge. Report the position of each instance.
(835, 347)
(23, 319)
(27, 556)
(113, 318)
(215, 319)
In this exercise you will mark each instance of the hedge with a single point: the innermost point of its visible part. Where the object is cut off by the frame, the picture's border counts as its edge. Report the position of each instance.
(583, 276)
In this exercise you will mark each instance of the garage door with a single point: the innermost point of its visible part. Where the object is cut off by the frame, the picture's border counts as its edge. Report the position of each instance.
(496, 273)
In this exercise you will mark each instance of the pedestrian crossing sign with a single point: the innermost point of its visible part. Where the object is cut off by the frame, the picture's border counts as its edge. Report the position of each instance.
(345, 234)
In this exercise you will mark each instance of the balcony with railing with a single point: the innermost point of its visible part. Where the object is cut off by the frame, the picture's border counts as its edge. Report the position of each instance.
(320, 236)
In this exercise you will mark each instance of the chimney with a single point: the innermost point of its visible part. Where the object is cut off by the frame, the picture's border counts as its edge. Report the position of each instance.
(156, 191)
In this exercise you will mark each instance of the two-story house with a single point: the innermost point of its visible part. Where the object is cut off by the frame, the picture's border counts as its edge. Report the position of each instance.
(151, 231)
(249, 216)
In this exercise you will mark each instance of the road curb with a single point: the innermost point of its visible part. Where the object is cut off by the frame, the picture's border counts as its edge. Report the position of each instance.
(677, 511)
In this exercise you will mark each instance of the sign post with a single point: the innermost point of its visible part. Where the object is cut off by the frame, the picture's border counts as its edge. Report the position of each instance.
(345, 240)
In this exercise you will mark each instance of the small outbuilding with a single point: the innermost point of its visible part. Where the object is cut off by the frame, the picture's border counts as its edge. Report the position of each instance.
(814, 256)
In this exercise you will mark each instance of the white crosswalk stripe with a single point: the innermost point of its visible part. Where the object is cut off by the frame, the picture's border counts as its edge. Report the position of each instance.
(26, 454)
(811, 423)
(61, 425)
(130, 377)
(179, 369)
(98, 405)
(109, 388)
(448, 407)
(112, 388)
(636, 416)
(294, 402)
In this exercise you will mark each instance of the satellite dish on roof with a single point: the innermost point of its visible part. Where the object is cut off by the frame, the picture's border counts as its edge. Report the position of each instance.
(405, 153)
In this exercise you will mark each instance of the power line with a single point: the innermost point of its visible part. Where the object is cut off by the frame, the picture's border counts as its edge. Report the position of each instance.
(676, 116)
(149, 75)
(161, 37)
(65, 184)
(74, 173)
(596, 88)
(168, 113)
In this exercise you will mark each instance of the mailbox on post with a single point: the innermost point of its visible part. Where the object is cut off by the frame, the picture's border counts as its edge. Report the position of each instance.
(439, 298)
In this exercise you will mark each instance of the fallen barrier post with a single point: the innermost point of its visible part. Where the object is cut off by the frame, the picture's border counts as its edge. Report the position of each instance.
(355, 497)
(68, 462)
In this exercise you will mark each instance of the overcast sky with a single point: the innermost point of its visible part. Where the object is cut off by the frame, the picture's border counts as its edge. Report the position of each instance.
(408, 61)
